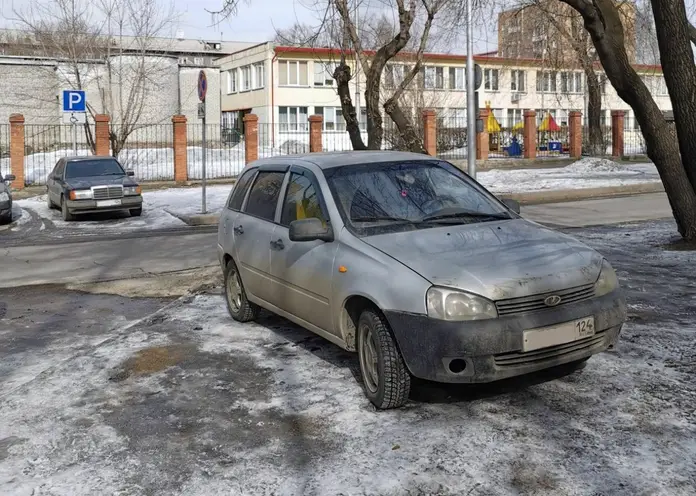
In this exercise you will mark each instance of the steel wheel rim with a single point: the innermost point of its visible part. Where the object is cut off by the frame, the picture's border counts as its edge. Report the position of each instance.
(234, 292)
(369, 359)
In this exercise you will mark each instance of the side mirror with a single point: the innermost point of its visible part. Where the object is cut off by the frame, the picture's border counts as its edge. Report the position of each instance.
(130, 173)
(10, 177)
(310, 230)
(513, 205)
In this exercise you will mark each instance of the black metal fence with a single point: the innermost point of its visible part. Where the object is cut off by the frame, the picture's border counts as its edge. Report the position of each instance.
(224, 153)
(45, 144)
(147, 149)
(4, 150)
(633, 142)
(602, 146)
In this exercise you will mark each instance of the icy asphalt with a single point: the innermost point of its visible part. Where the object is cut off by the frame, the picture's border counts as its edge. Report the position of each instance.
(101, 394)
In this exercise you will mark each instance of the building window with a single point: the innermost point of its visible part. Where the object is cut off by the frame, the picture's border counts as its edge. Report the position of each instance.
(513, 117)
(259, 76)
(661, 87)
(490, 79)
(232, 81)
(246, 78)
(513, 24)
(394, 75)
(323, 74)
(293, 119)
(602, 79)
(517, 81)
(457, 79)
(546, 82)
(292, 73)
(434, 78)
(571, 82)
(454, 118)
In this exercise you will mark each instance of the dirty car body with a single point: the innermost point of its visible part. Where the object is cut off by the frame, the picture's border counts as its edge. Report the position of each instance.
(467, 289)
(91, 184)
(6, 199)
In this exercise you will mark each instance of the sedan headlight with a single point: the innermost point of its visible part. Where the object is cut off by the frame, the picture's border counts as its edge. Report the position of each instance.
(449, 304)
(132, 190)
(607, 280)
(4, 196)
(81, 194)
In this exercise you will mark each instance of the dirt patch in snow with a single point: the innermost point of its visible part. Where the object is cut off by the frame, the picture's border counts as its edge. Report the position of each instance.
(151, 360)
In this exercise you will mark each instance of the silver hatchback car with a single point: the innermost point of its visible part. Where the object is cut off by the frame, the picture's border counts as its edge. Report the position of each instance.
(411, 263)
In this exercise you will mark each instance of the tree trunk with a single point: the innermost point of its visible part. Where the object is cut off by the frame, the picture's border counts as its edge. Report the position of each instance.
(596, 145)
(407, 132)
(342, 76)
(375, 131)
(603, 22)
(679, 70)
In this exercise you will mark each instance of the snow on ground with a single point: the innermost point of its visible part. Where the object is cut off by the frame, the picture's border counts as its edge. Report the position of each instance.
(268, 408)
(585, 173)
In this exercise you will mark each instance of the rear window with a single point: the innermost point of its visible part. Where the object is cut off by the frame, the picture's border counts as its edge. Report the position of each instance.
(87, 168)
(263, 196)
(240, 190)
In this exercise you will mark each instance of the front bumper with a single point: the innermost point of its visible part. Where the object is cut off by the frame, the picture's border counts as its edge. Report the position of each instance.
(92, 206)
(492, 349)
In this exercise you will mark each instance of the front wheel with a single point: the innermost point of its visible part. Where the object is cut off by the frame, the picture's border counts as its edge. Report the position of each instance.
(67, 215)
(49, 202)
(387, 381)
(241, 309)
(6, 218)
(136, 212)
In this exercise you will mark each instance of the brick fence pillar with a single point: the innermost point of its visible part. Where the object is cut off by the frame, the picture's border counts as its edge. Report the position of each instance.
(617, 133)
(482, 139)
(575, 133)
(530, 134)
(180, 148)
(430, 132)
(17, 149)
(101, 135)
(315, 125)
(251, 137)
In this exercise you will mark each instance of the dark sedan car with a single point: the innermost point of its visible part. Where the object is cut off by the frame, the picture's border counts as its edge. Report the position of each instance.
(85, 185)
(6, 199)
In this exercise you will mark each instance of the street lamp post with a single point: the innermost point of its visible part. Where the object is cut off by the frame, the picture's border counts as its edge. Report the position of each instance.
(470, 95)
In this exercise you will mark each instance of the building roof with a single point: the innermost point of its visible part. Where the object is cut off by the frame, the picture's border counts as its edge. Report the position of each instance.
(328, 160)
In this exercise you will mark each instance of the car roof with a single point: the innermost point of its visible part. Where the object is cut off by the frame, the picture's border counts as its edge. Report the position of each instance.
(328, 160)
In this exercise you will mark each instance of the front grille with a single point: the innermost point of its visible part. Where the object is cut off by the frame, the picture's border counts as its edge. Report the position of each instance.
(107, 192)
(536, 302)
(538, 357)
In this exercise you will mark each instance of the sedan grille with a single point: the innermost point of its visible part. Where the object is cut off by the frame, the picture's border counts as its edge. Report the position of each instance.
(107, 192)
(539, 357)
(536, 302)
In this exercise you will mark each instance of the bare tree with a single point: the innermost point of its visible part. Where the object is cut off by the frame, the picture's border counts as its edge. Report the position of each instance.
(105, 46)
(674, 153)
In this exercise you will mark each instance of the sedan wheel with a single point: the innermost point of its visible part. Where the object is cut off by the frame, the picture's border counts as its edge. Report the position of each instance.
(67, 216)
(387, 381)
(241, 309)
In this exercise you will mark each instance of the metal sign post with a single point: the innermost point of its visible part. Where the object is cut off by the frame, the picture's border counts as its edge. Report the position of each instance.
(74, 112)
(202, 90)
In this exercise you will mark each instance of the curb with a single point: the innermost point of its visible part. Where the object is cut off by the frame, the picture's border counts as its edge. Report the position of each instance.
(527, 198)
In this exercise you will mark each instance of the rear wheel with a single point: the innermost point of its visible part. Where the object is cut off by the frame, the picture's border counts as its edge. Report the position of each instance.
(136, 212)
(241, 309)
(386, 380)
(67, 215)
(6, 218)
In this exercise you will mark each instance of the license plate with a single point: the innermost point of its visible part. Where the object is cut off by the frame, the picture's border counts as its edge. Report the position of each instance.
(108, 203)
(543, 337)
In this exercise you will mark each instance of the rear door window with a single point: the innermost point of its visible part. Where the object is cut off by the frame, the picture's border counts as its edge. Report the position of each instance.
(263, 197)
(240, 190)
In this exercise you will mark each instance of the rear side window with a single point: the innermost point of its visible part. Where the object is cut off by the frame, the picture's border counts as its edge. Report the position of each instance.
(240, 190)
(58, 171)
(263, 196)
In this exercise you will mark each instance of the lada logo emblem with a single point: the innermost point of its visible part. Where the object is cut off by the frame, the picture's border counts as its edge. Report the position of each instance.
(552, 301)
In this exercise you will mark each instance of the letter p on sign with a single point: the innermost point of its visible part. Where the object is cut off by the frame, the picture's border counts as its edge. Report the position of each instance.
(74, 101)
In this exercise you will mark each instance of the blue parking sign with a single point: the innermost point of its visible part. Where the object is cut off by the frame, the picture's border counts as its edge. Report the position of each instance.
(74, 101)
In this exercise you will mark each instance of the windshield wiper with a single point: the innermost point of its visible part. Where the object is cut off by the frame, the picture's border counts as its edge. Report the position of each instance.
(378, 218)
(464, 213)
(112, 174)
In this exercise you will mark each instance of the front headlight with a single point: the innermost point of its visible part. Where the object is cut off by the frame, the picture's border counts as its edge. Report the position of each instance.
(449, 304)
(607, 280)
(4, 196)
(81, 194)
(132, 190)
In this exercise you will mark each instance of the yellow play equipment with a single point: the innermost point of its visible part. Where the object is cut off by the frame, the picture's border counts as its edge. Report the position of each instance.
(493, 129)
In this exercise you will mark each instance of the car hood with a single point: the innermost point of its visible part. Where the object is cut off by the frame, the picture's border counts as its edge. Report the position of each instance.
(498, 260)
(89, 181)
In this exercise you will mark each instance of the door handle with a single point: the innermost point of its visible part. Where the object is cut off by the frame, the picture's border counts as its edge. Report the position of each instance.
(239, 229)
(278, 245)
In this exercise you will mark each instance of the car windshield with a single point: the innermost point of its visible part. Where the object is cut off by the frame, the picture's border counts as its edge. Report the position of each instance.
(87, 168)
(383, 197)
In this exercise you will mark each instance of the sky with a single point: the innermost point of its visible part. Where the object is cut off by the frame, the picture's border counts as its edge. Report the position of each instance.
(256, 20)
